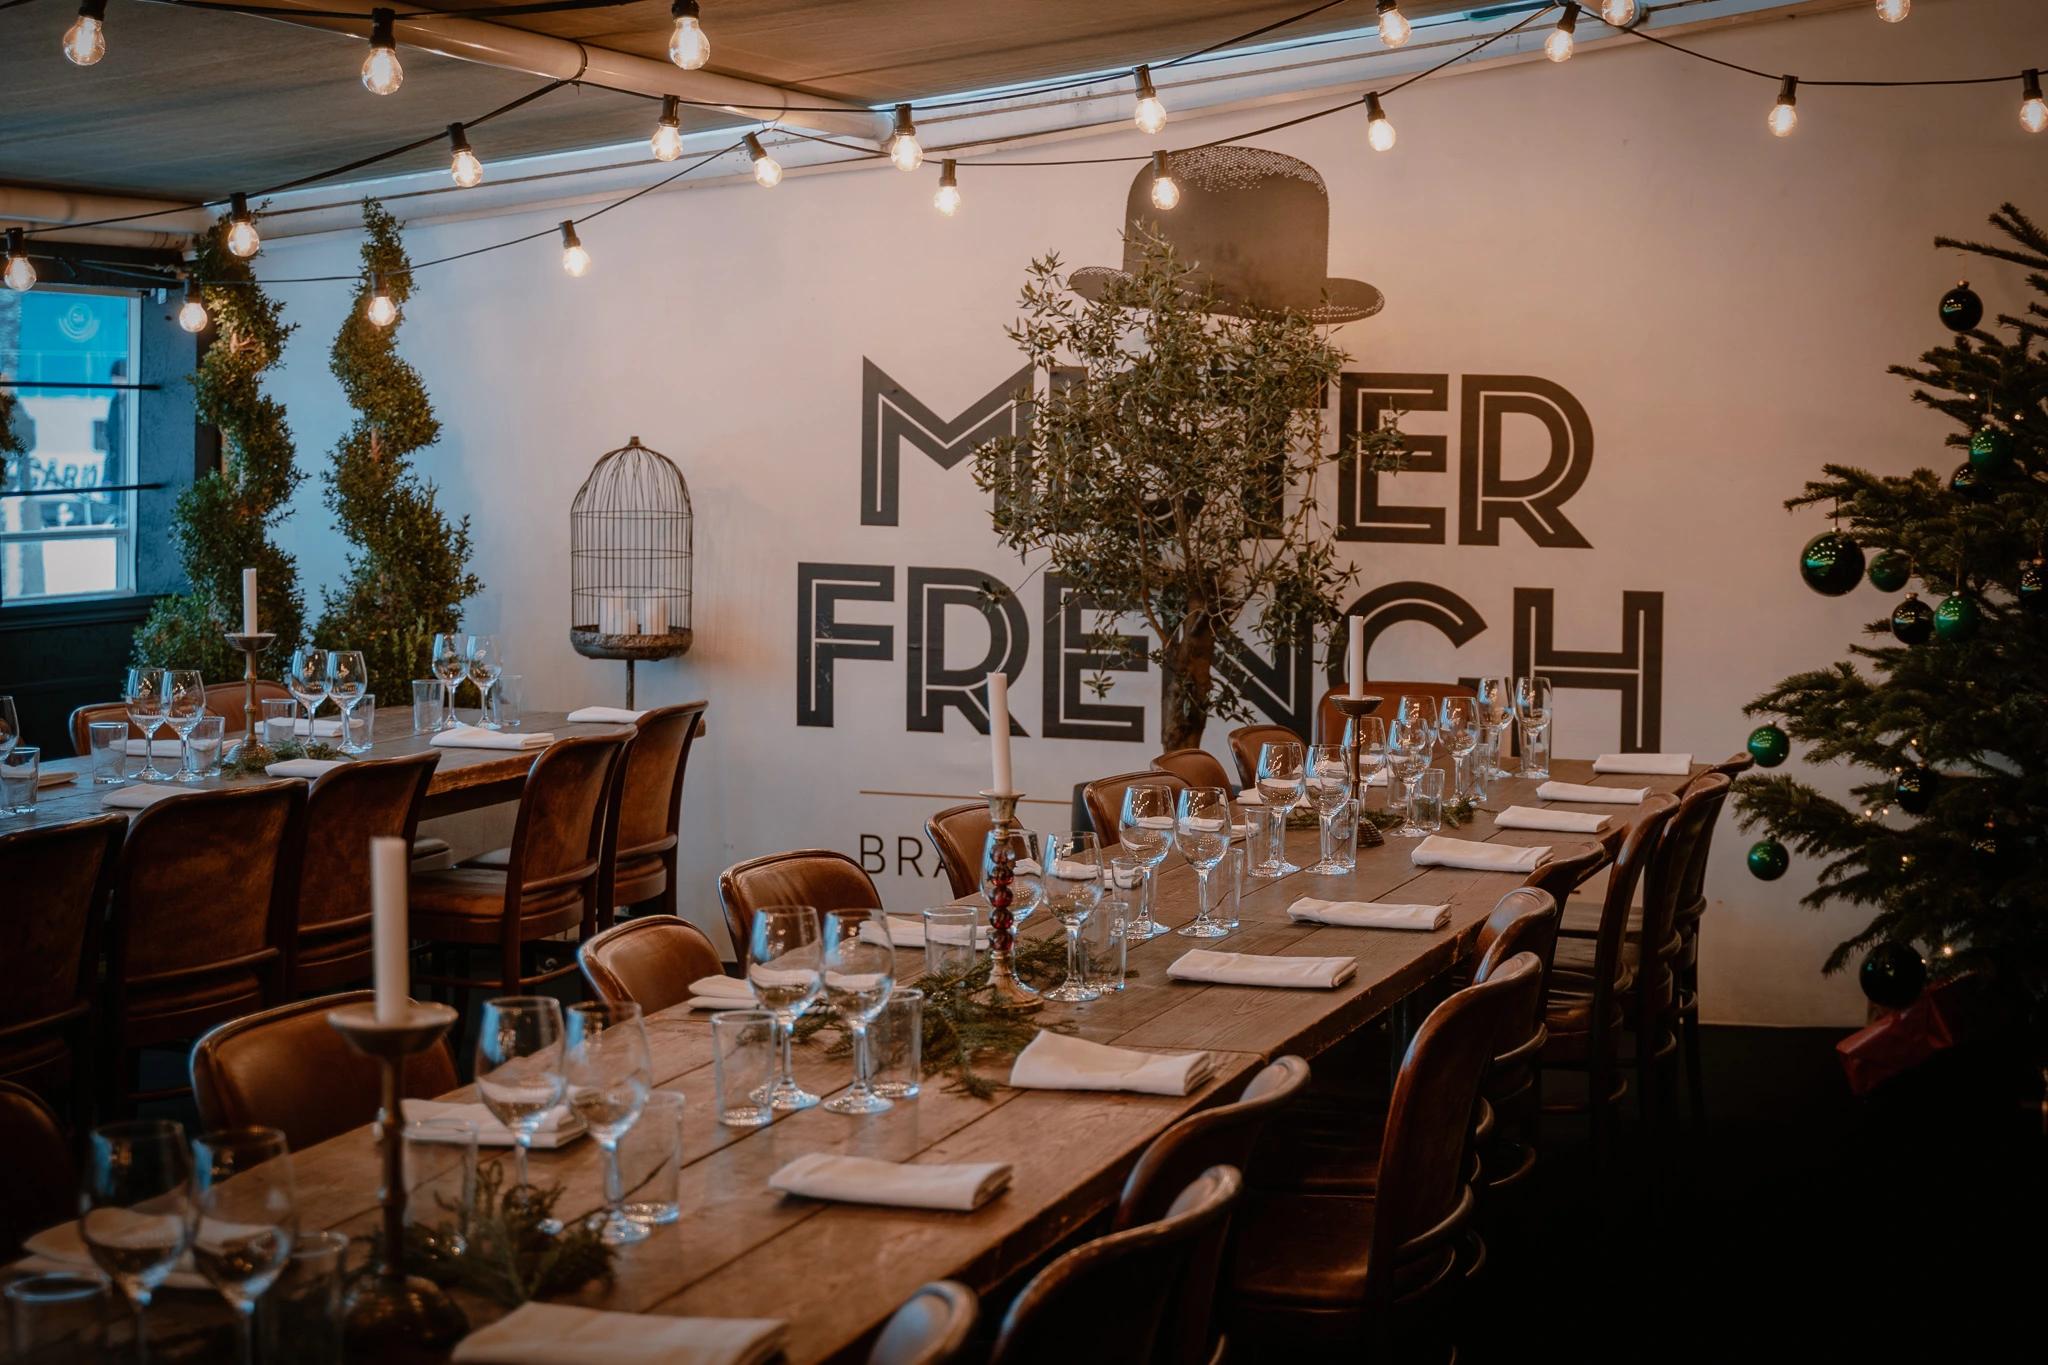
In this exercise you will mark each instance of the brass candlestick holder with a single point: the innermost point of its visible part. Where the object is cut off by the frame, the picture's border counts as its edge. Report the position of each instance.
(1003, 985)
(1354, 710)
(250, 646)
(390, 1315)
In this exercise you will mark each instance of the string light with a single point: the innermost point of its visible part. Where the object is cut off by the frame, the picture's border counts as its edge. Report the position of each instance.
(1394, 27)
(667, 142)
(381, 312)
(1558, 46)
(1785, 113)
(1150, 113)
(1894, 11)
(767, 170)
(20, 274)
(243, 239)
(687, 46)
(382, 73)
(192, 312)
(463, 165)
(1165, 193)
(85, 42)
(1618, 13)
(2033, 109)
(947, 200)
(903, 148)
(575, 259)
(1378, 131)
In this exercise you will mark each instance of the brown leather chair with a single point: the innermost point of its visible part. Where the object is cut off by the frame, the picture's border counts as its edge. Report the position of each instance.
(548, 889)
(1330, 721)
(287, 1068)
(42, 1179)
(203, 906)
(645, 830)
(1692, 908)
(649, 960)
(931, 1328)
(230, 702)
(226, 700)
(816, 877)
(1104, 799)
(1524, 921)
(959, 834)
(1112, 1290)
(57, 879)
(1197, 768)
(1246, 741)
(347, 807)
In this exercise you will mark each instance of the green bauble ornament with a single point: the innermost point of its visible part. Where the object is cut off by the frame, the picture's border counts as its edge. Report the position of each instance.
(1831, 564)
(1769, 746)
(1961, 309)
(1970, 484)
(1990, 450)
(1913, 789)
(1957, 618)
(1912, 621)
(2033, 587)
(1768, 860)
(1893, 975)
(1890, 570)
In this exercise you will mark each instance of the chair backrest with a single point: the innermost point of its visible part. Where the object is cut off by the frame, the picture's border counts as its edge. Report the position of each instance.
(649, 960)
(1567, 867)
(1691, 825)
(1525, 920)
(1692, 891)
(287, 1068)
(1637, 850)
(1104, 798)
(57, 879)
(1114, 1288)
(1246, 741)
(42, 1179)
(1196, 767)
(230, 701)
(558, 839)
(931, 1328)
(346, 807)
(647, 785)
(1330, 721)
(958, 835)
(815, 877)
(82, 718)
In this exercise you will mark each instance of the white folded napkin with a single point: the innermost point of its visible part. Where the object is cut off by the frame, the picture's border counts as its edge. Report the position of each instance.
(159, 748)
(1251, 796)
(140, 794)
(308, 768)
(722, 993)
(316, 727)
(1438, 851)
(1204, 822)
(538, 1333)
(54, 777)
(1369, 914)
(1153, 822)
(1561, 821)
(1054, 1061)
(907, 931)
(1656, 765)
(1605, 796)
(63, 1248)
(1250, 969)
(1075, 870)
(558, 1128)
(863, 1180)
(474, 737)
(604, 715)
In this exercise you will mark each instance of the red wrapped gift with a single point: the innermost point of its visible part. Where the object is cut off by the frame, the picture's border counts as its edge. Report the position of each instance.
(1942, 1017)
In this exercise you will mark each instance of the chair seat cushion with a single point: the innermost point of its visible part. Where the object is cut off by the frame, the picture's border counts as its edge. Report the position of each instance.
(466, 905)
(497, 857)
(638, 879)
(1307, 1250)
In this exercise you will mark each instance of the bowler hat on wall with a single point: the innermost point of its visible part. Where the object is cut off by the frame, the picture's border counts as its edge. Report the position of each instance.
(1253, 225)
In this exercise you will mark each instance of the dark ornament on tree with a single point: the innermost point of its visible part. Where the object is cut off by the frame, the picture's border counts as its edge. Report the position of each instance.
(1961, 309)
(1831, 564)
(1970, 483)
(1957, 618)
(1988, 850)
(2033, 586)
(1912, 621)
(1990, 450)
(1890, 570)
(1892, 976)
(1768, 860)
(1769, 745)
(1913, 789)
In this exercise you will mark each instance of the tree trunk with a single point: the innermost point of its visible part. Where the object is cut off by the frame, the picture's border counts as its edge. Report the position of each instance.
(1184, 691)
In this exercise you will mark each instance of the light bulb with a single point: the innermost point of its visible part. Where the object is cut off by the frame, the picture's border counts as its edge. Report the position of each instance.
(903, 147)
(767, 170)
(20, 274)
(1558, 46)
(1394, 26)
(85, 42)
(667, 142)
(382, 74)
(1149, 112)
(1618, 13)
(575, 259)
(192, 312)
(243, 239)
(1894, 11)
(381, 312)
(947, 200)
(687, 46)
(1165, 192)
(1785, 113)
(463, 165)
(1379, 132)
(2033, 109)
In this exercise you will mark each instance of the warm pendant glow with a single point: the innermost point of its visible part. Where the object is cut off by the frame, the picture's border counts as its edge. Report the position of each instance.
(243, 239)
(1558, 46)
(947, 200)
(382, 74)
(1894, 11)
(467, 170)
(767, 170)
(1165, 193)
(85, 42)
(1379, 131)
(2033, 109)
(1394, 27)
(687, 46)
(1618, 13)
(905, 152)
(382, 312)
(575, 259)
(192, 312)
(1784, 118)
(1151, 114)
(20, 274)
(667, 142)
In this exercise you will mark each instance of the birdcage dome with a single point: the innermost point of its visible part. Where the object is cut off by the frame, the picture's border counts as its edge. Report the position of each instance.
(629, 557)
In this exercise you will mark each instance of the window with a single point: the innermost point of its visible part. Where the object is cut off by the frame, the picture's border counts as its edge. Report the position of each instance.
(67, 507)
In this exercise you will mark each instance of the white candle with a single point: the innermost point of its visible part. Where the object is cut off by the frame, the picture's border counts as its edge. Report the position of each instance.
(1354, 657)
(248, 601)
(999, 729)
(390, 948)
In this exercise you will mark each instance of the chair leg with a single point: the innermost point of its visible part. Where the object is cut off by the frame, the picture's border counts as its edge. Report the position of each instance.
(1689, 1042)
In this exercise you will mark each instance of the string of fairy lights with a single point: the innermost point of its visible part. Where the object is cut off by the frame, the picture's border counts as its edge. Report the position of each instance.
(689, 48)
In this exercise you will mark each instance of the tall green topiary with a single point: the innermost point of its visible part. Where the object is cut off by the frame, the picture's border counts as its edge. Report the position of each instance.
(222, 523)
(408, 567)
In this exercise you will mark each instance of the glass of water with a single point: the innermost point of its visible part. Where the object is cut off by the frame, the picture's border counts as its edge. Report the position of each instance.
(20, 770)
(1426, 804)
(60, 1316)
(280, 720)
(426, 705)
(202, 746)
(745, 1066)
(651, 1161)
(896, 1046)
(506, 699)
(109, 741)
(361, 723)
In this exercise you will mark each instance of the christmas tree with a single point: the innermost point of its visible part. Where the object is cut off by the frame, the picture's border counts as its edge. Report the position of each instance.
(1948, 712)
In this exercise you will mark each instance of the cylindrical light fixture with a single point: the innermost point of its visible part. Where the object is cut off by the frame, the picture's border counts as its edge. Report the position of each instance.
(20, 272)
(382, 74)
(1558, 46)
(1784, 115)
(381, 311)
(1150, 113)
(1379, 132)
(947, 200)
(575, 259)
(687, 45)
(667, 142)
(903, 147)
(767, 170)
(462, 164)
(192, 312)
(1394, 27)
(243, 239)
(85, 42)
(1165, 193)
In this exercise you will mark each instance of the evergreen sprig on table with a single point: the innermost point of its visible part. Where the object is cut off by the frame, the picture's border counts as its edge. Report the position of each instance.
(253, 756)
(503, 1254)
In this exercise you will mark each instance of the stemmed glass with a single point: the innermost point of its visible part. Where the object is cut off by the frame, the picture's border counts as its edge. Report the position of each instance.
(1280, 786)
(1457, 724)
(860, 974)
(348, 682)
(1496, 698)
(1369, 737)
(248, 1211)
(1409, 743)
(785, 968)
(136, 1202)
(184, 704)
(10, 727)
(1145, 827)
(1202, 833)
(306, 679)
(144, 692)
(1329, 787)
(1073, 888)
(450, 658)
(519, 1065)
(485, 662)
(608, 1071)
(1532, 713)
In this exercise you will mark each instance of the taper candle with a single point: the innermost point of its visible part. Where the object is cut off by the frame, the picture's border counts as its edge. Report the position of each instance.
(248, 602)
(999, 729)
(1354, 657)
(390, 947)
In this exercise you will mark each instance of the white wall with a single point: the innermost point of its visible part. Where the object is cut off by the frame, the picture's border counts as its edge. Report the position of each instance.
(1723, 304)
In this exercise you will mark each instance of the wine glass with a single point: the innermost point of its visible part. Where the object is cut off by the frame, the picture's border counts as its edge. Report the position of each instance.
(485, 662)
(1073, 889)
(1496, 699)
(1280, 785)
(519, 1065)
(1369, 738)
(608, 1071)
(1457, 724)
(348, 682)
(305, 677)
(1532, 713)
(1420, 709)
(1329, 787)
(184, 704)
(859, 975)
(248, 1217)
(144, 693)
(10, 727)
(1409, 743)
(1202, 833)
(785, 968)
(450, 657)
(136, 1209)
(1145, 827)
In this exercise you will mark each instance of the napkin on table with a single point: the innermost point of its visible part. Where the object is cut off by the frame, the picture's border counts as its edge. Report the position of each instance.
(54, 777)
(1560, 821)
(1250, 969)
(474, 737)
(1438, 851)
(138, 795)
(558, 1128)
(604, 715)
(1369, 914)
(863, 1180)
(907, 931)
(1655, 765)
(316, 727)
(538, 1333)
(63, 1248)
(1054, 1061)
(308, 768)
(158, 748)
(1605, 796)
(721, 993)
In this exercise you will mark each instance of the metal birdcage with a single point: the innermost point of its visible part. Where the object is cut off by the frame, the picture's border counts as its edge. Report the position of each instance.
(629, 559)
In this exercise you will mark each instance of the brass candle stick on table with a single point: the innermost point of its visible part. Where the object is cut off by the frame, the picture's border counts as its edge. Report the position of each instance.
(1354, 710)
(998, 879)
(250, 646)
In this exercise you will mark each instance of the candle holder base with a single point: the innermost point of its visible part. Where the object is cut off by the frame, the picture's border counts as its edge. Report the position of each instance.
(1355, 709)
(400, 1318)
(249, 646)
